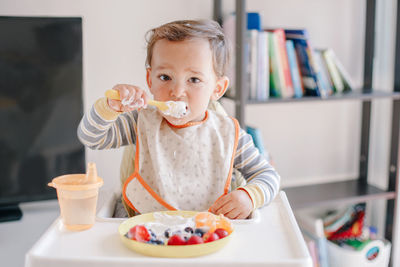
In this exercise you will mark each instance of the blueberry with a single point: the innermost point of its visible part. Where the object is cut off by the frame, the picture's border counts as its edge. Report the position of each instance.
(200, 232)
(167, 233)
(152, 234)
(159, 242)
(155, 242)
(189, 229)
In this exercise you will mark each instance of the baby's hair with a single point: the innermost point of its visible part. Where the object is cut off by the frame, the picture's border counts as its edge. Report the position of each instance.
(189, 29)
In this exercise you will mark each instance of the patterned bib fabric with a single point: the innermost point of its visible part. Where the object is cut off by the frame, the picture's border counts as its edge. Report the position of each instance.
(181, 167)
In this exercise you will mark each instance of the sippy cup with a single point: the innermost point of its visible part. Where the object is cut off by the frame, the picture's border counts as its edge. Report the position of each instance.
(77, 197)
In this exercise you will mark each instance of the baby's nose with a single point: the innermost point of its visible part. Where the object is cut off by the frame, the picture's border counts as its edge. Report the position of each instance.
(178, 90)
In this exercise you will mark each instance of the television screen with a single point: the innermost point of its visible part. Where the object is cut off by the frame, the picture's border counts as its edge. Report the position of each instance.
(40, 105)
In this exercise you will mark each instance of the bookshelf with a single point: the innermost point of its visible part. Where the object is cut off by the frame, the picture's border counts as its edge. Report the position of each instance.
(353, 95)
(356, 189)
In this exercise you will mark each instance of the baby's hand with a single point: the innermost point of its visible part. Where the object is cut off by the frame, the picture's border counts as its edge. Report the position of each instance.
(132, 97)
(235, 205)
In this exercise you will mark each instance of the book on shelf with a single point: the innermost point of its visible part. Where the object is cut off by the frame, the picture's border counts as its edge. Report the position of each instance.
(256, 49)
(258, 59)
(348, 83)
(308, 69)
(281, 63)
(287, 90)
(276, 74)
(324, 78)
(337, 81)
(258, 67)
(252, 56)
(253, 21)
(257, 139)
(262, 90)
(294, 69)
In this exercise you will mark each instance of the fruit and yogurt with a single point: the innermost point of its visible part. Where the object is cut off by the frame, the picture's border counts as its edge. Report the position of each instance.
(176, 230)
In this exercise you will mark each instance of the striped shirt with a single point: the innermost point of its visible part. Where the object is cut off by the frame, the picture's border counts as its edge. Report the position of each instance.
(103, 128)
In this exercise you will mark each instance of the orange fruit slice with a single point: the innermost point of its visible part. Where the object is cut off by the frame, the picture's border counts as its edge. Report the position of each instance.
(224, 223)
(206, 219)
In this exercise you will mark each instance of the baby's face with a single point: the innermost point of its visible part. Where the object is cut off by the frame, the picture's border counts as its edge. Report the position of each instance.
(183, 71)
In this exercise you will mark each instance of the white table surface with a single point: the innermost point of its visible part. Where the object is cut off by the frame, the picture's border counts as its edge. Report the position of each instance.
(272, 239)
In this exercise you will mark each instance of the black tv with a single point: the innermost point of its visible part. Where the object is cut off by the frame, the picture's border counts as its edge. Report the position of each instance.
(40, 107)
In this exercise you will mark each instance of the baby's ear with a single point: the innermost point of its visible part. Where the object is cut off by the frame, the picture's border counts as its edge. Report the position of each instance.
(220, 88)
(148, 77)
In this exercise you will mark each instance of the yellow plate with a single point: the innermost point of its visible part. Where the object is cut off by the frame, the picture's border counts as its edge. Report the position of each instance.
(166, 251)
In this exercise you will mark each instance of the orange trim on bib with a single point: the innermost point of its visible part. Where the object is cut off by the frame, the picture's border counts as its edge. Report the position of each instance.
(142, 182)
(228, 181)
(148, 188)
(127, 201)
(154, 194)
(191, 123)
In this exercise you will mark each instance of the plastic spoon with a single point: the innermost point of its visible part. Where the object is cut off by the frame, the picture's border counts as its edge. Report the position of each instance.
(176, 109)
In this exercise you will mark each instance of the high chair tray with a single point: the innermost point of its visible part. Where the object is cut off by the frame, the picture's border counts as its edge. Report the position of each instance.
(274, 239)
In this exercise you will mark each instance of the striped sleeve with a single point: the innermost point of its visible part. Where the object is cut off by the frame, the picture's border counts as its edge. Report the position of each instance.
(104, 128)
(262, 179)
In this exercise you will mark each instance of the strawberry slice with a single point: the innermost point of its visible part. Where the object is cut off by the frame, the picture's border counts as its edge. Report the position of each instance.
(194, 240)
(221, 232)
(139, 233)
(211, 237)
(176, 240)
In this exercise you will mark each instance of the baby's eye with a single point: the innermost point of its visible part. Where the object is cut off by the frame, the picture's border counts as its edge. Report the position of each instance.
(164, 77)
(194, 80)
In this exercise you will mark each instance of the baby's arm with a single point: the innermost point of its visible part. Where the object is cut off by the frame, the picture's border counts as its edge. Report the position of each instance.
(106, 126)
(262, 179)
(262, 182)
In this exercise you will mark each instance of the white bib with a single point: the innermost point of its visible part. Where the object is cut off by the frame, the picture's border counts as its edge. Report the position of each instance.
(184, 167)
